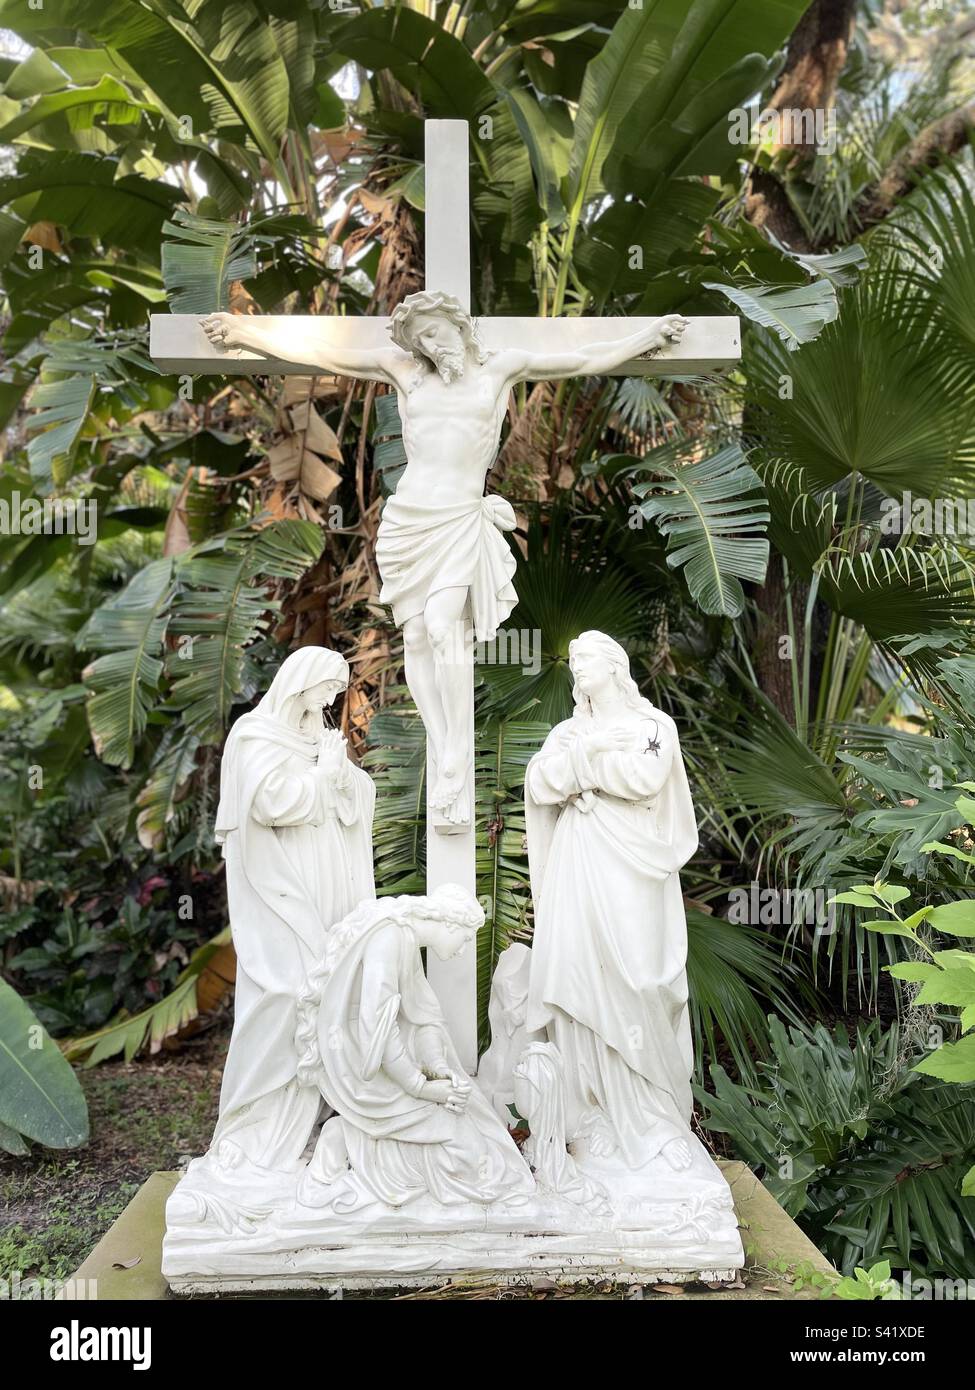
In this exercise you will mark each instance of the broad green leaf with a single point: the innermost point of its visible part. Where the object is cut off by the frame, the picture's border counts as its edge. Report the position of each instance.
(913, 970)
(428, 61)
(107, 101)
(713, 516)
(889, 928)
(223, 607)
(957, 919)
(955, 987)
(89, 194)
(936, 847)
(129, 628)
(691, 139)
(796, 315)
(60, 411)
(856, 898)
(842, 268)
(891, 892)
(40, 1097)
(157, 801)
(952, 1062)
(547, 133)
(201, 259)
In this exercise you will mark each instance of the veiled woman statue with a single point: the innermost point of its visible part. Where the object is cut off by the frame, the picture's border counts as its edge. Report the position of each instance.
(295, 822)
(610, 822)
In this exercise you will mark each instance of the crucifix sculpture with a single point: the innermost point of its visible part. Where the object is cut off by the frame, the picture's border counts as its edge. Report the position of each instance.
(445, 564)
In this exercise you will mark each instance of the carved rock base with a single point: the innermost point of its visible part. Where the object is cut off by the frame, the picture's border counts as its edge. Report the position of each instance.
(242, 1231)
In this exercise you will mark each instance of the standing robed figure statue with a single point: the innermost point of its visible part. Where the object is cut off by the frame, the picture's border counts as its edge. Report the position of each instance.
(610, 822)
(295, 823)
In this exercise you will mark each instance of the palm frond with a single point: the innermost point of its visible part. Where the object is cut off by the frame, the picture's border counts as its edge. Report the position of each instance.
(713, 521)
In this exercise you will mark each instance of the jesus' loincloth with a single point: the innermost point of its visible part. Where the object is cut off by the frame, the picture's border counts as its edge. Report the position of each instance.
(422, 548)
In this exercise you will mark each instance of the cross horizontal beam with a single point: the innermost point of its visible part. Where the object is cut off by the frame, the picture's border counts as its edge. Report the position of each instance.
(710, 345)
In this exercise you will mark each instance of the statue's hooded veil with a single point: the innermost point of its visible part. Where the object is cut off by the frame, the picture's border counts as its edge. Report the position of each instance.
(269, 725)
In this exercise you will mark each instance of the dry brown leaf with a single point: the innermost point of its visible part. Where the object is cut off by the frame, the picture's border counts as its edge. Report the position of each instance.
(338, 143)
(376, 204)
(216, 979)
(319, 436)
(240, 299)
(127, 1264)
(284, 460)
(668, 1288)
(317, 479)
(297, 389)
(176, 537)
(45, 235)
(278, 505)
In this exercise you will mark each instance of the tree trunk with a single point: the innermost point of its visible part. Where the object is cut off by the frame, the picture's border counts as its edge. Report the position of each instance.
(814, 61)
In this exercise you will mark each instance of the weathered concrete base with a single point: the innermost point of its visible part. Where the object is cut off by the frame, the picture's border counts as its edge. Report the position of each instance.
(768, 1234)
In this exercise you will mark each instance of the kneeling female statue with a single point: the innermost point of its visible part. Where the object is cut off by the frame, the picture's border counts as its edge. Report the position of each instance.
(371, 1035)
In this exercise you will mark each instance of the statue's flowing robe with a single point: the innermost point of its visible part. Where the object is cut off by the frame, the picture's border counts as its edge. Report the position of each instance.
(399, 1146)
(606, 838)
(299, 856)
(422, 548)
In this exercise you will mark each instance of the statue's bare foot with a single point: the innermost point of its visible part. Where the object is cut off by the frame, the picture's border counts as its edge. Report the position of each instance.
(678, 1154)
(446, 790)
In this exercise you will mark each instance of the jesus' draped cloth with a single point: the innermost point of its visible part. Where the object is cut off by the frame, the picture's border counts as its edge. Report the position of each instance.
(424, 547)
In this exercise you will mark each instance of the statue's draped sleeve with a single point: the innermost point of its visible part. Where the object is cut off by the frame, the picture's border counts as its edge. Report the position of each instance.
(380, 1039)
(564, 769)
(306, 798)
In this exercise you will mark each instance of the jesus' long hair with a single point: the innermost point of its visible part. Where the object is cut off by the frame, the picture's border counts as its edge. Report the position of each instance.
(404, 316)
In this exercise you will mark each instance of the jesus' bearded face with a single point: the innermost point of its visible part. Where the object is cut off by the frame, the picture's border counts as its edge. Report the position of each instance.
(442, 343)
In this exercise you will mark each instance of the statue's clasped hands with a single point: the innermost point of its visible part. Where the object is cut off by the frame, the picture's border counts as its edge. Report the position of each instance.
(331, 752)
(452, 1091)
(607, 740)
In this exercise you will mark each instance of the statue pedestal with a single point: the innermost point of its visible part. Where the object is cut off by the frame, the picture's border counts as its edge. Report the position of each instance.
(235, 1231)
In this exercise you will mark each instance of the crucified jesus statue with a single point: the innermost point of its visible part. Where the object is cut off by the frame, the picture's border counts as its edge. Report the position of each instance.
(441, 555)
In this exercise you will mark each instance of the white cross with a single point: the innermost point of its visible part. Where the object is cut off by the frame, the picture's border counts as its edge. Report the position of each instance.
(179, 344)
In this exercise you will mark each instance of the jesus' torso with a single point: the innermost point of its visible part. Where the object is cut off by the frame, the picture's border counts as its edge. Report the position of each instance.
(451, 432)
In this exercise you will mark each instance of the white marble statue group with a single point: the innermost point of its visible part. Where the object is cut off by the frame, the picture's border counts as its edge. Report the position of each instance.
(351, 1145)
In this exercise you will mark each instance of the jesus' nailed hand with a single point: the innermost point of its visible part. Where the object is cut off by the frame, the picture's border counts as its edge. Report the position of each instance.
(439, 549)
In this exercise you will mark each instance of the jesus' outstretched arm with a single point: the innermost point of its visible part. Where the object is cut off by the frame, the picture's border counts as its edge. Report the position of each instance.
(595, 358)
(304, 342)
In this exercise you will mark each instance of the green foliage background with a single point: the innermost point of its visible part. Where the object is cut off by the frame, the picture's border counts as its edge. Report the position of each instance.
(266, 155)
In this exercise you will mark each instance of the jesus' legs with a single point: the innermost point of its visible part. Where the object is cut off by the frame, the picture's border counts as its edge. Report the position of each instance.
(421, 677)
(444, 617)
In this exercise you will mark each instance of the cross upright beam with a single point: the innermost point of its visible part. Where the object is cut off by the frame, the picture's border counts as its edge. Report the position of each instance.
(451, 858)
(447, 199)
